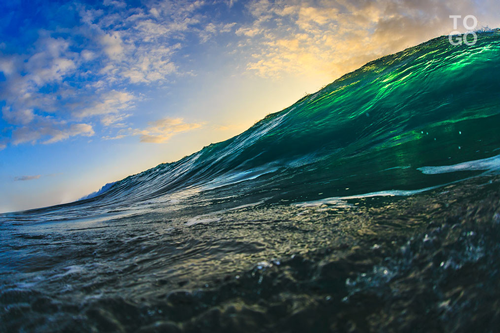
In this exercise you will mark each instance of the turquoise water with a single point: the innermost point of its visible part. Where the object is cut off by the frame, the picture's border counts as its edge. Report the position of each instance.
(371, 130)
(371, 205)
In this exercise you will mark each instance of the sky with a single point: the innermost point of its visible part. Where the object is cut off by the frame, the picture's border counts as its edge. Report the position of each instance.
(94, 91)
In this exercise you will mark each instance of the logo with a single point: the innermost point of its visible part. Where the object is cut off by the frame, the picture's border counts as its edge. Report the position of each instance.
(469, 22)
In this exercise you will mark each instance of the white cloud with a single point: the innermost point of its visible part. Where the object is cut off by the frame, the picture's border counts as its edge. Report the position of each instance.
(230, 3)
(87, 55)
(116, 137)
(18, 117)
(108, 105)
(51, 63)
(113, 45)
(73, 130)
(154, 12)
(49, 131)
(249, 31)
(227, 27)
(83, 74)
(212, 30)
(115, 3)
(7, 65)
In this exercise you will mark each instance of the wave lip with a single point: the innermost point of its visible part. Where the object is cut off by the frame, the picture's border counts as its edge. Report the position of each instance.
(485, 164)
(341, 200)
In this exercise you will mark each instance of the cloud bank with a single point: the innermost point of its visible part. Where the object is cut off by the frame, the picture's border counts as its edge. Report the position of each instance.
(338, 36)
(84, 75)
(77, 69)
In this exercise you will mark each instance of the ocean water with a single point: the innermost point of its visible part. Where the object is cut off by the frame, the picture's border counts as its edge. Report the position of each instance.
(371, 205)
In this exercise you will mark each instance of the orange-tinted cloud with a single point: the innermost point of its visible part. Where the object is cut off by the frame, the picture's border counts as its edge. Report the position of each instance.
(162, 130)
(336, 37)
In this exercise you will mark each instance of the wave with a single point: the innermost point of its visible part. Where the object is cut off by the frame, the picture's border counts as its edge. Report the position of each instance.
(380, 189)
(380, 128)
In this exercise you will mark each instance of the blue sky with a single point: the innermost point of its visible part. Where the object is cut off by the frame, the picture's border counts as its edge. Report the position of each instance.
(93, 91)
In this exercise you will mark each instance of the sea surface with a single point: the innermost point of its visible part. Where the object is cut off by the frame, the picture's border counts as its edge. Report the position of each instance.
(372, 205)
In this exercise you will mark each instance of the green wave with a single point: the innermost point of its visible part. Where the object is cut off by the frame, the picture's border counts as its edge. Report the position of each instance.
(371, 130)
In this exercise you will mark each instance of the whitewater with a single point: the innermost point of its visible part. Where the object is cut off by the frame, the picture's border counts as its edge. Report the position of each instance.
(371, 205)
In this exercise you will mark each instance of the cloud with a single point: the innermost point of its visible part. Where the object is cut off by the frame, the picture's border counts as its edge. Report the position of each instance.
(116, 137)
(49, 131)
(212, 30)
(108, 106)
(18, 117)
(73, 130)
(27, 104)
(335, 37)
(249, 31)
(27, 75)
(113, 45)
(230, 3)
(77, 74)
(7, 65)
(231, 127)
(150, 65)
(162, 130)
(159, 131)
(139, 44)
(89, 71)
(313, 20)
(119, 4)
(25, 178)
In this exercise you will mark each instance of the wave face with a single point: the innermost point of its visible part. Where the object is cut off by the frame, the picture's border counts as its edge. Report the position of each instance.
(371, 130)
(371, 205)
